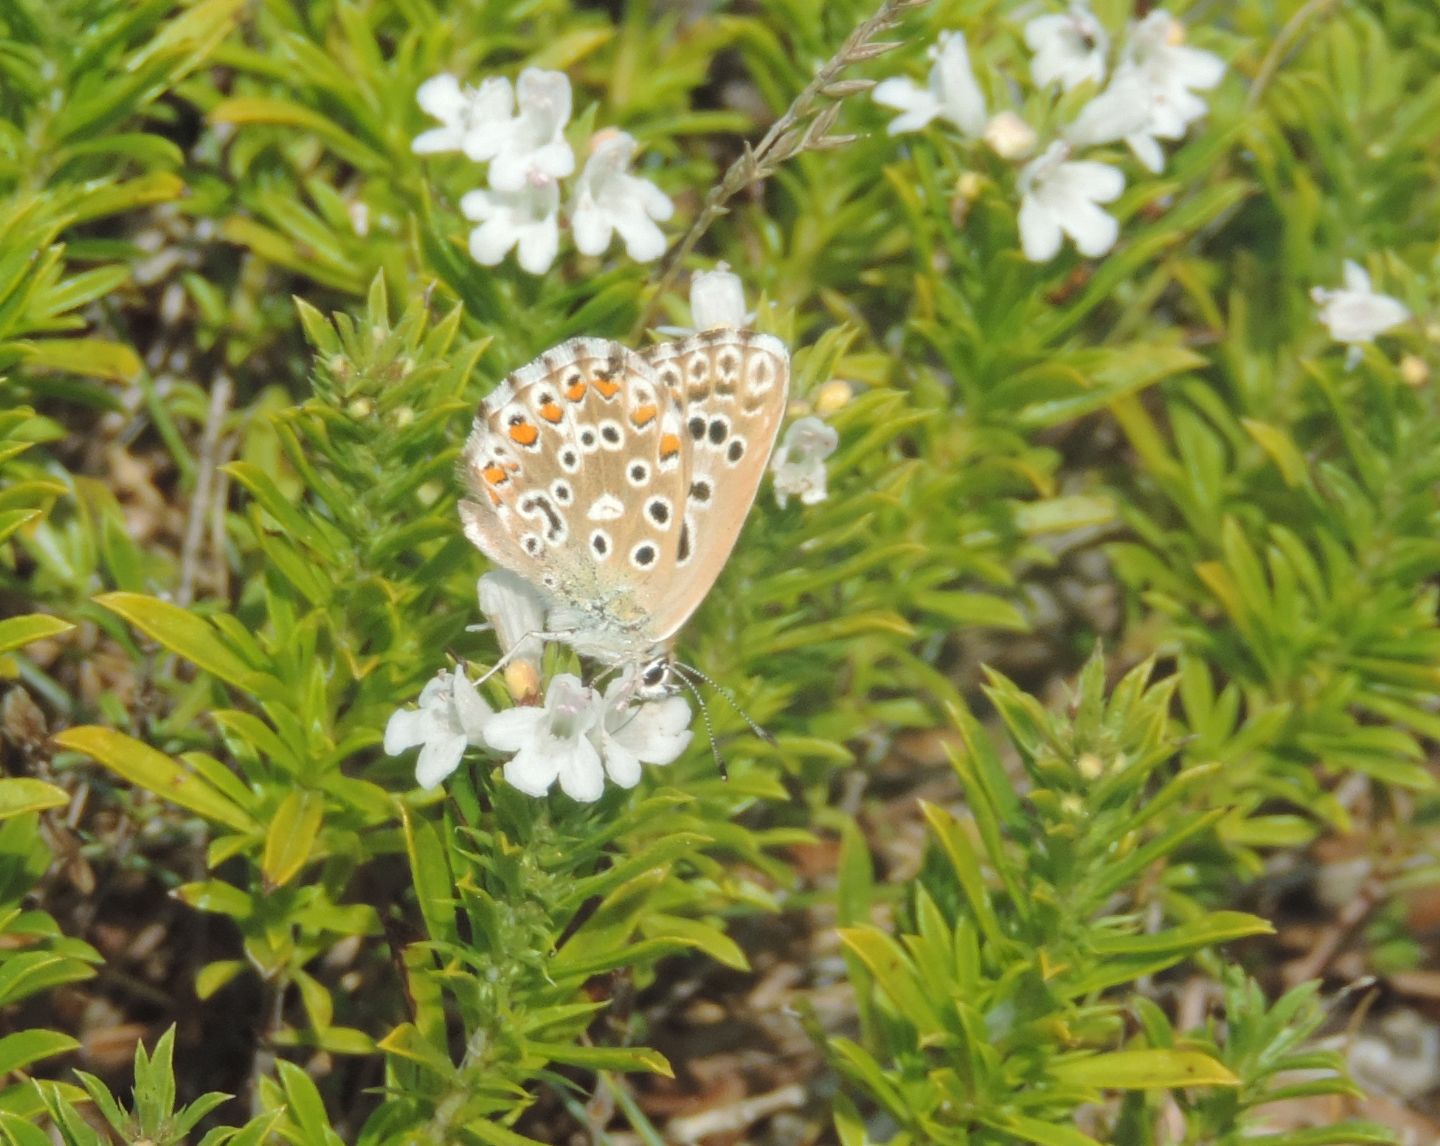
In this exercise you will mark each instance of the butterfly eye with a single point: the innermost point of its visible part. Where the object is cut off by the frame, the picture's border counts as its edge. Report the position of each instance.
(654, 676)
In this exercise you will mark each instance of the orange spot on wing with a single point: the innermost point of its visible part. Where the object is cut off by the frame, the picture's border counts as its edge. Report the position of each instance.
(607, 388)
(669, 445)
(575, 391)
(494, 497)
(643, 416)
(524, 433)
(551, 412)
(494, 474)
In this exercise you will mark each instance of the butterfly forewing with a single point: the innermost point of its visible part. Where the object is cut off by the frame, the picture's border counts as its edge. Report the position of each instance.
(577, 471)
(732, 387)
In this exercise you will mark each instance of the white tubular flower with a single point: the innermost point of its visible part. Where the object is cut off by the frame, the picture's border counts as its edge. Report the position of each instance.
(528, 219)
(951, 92)
(552, 743)
(534, 146)
(628, 735)
(1152, 94)
(1124, 110)
(1355, 313)
(469, 116)
(717, 298)
(1058, 196)
(1157, 47)
(1069, 50)
(1174, 73)
(609, 199)
(799, 462)
(452, 714)
(516, 610)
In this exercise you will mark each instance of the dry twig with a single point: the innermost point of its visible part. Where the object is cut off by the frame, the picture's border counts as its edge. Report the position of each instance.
(805, 126)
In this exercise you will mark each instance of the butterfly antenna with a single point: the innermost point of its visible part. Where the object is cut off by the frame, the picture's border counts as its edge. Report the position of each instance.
(730, 697)
(505, 658)
(709, 725)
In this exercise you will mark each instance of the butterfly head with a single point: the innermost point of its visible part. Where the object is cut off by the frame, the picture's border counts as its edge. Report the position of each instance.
(657, 678)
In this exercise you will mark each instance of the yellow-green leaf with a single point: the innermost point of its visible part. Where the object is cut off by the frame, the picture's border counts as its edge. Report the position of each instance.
(155, 772)
(1150, 1069)
(291, 837)
(604, 1058)
(17, 631)
(23, 795)
(91, 357)
(191, 637)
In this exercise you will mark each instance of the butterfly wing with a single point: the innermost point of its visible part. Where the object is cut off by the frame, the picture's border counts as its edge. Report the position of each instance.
(577, 471)
(732, 386)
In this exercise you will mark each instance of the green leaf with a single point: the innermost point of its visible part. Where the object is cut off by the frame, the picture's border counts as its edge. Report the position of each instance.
(18, 631)
(191, 637)
(155, 772)
(1034, 1130)
(430, 872)
(1150, 1069)
(291, 836)
(895, 975)
(306, 1106)
(21, 1049)
(24, 794)
(625, 1059)
(90, 357)
(14, 519)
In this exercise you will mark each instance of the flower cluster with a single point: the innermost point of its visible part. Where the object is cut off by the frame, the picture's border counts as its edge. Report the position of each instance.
(577, 737)
(520, 133)
(1151, 95)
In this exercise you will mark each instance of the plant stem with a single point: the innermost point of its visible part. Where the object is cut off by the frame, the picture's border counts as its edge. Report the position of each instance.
(785, 138)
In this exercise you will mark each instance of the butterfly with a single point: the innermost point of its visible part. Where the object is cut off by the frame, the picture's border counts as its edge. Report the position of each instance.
(616, 482)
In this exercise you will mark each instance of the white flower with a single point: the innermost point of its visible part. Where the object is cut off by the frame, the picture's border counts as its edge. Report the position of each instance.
(1157, 48)
(1069, 49)
(1171, 74)
(1058, 196)
(1009, 136)
(717, 298)
(471, 117)
(451, 715)
(799, 461)
(517, 610)
(608, 199)
(532, 148)
(1152, 94)
(653, 732)
(1122, 109)
(951, 92)
(1355, 313)
(528, 218)
(552, 742)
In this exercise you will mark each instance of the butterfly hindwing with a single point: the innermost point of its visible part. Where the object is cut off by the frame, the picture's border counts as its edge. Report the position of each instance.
(732, 386)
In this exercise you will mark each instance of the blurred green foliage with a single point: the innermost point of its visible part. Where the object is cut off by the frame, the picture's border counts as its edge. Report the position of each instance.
(218, 252)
